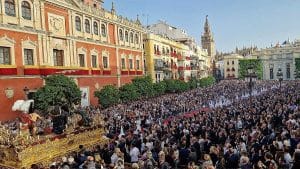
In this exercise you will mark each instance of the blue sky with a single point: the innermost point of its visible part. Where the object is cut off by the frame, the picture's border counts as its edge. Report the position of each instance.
(234, 22)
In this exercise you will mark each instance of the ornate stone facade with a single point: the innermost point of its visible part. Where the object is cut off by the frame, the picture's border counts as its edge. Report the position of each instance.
(44, 37)
(279, 57)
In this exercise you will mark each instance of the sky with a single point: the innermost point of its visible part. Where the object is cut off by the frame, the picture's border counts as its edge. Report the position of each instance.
(234, 23)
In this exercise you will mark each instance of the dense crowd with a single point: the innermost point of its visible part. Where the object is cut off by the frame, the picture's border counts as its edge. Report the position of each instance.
(228, 129)
(238, 131)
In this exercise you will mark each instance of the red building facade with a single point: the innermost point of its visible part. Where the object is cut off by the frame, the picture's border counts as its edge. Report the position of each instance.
(77, 38)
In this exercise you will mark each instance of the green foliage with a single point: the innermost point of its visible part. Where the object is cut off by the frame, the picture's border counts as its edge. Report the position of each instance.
(207, 81)
(144, 86)
(182, 86)
(129, 93)
(245, 63)
(171, 86)
(297, 64)
(58, 90)
(193, 83)
(176, 86)
(160, 88)
(108, 96)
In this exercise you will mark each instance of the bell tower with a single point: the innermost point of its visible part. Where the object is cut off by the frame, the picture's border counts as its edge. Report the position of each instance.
(207, 40)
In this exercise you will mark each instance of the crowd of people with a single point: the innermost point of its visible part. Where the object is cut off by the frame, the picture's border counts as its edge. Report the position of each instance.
(237, 131)
(228, 129)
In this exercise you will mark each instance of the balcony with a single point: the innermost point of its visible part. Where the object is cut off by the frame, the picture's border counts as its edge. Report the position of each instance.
(180, 68)
(167, 68)
(173, 54)
(174, 66)
(188, 68)
(158, 65)
(158, 68)
(195, 68)
(179, 57)
(157, 53)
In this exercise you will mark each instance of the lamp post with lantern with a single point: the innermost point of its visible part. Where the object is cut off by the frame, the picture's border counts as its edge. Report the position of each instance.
(251, 78)
(280, 77)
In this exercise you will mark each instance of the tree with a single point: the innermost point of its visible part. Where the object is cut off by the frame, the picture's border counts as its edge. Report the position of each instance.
(181, 86)
(59, 90)
(108, 96)
(245, 63)
(171, 86)
(129, 93)
(297, 64)
(144, 86)
(160, 88)
(176, 86)
(207, 81)
(193, 83)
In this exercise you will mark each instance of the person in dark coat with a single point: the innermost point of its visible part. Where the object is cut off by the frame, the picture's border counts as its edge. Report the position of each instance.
(296, 164)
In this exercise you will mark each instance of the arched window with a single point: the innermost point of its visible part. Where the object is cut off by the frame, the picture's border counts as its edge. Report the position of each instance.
(137, 39)
(126, 36)
(233, 69)
(78, 23)
(87, 26)
(10, 9)
(131, 37)
(96, 30)
(121, 35)
(103, 30)
(26, 10)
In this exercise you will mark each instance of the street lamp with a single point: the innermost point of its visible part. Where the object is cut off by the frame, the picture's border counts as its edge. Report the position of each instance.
(280, 77)
(26, 91)
(250, 78)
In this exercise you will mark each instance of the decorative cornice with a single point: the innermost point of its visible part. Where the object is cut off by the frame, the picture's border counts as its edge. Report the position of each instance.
(99, 13)
(7, 39)
(29, 41)
(81, 39)
(27, 29)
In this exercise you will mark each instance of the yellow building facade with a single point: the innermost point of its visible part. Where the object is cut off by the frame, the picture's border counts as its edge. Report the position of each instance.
(231, 66)
(165, 58)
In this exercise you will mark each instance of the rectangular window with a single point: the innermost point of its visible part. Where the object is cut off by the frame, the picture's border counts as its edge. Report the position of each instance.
(28, 56)
(58, 57)
(288, 71)
(94, 61)
(137, 64)
(130, 64)
(123, 63)
(81, 60)
(5, 58)
(105, 62)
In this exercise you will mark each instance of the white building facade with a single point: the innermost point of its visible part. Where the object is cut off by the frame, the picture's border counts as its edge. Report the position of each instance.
(279, 57)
